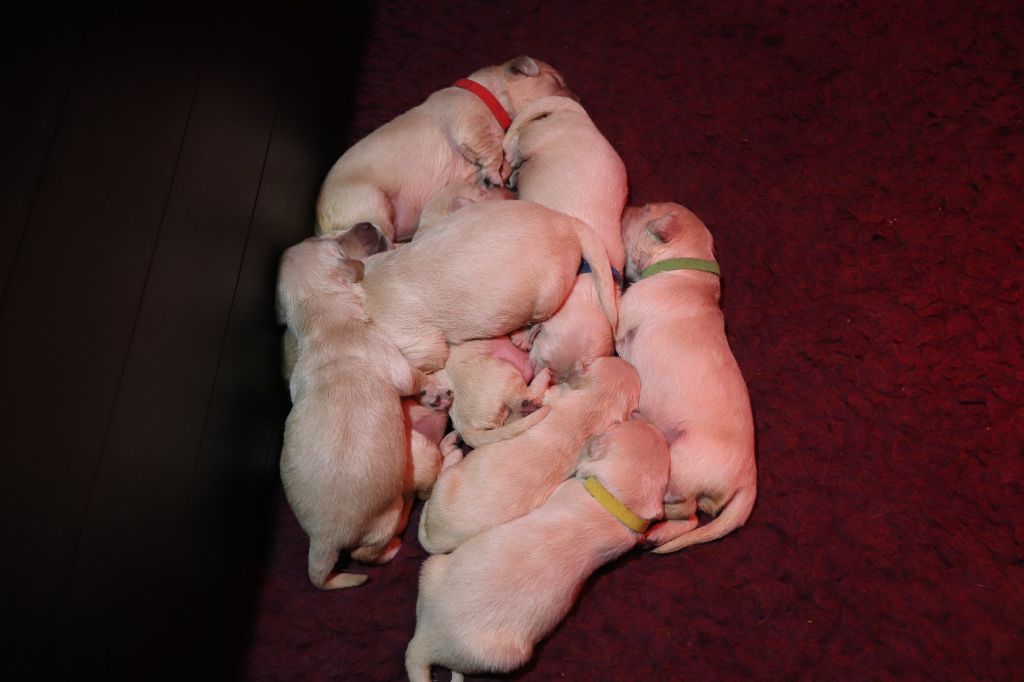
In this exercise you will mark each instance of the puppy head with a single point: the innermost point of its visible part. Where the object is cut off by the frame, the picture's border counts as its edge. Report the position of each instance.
(538, 123)
(520, 81)
(312, 269)
(632, 461)
(454, 196)
(610, 382)
(655, 232)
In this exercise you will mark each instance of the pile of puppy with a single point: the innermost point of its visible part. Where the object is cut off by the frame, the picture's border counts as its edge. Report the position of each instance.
(467, 268)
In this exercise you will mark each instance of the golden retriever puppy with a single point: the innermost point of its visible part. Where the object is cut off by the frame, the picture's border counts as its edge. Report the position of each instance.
(562, 161)
(490, 268)
(505, 480)
(483, 608)
(385, 179)
(345, 460)
(491, 399)
(672, 330)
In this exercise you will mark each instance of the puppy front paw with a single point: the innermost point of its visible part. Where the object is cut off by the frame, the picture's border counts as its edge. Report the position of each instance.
(529, 406)
(435, 394)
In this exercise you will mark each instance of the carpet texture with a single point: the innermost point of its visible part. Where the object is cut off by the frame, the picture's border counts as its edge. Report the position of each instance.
(860, 165)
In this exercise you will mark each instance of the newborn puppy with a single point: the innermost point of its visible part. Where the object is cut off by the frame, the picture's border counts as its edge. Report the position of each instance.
(386, 178)
(344, 464)
(490, 397)
(454, 196)
(561, 160)
(485, 271)
(505, 480)
(673, 332)
(358, 243)
(483, 607)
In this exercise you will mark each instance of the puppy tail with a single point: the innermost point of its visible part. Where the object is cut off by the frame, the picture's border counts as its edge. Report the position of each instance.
(732, 517)
(594, 253)
(321, 569)
(480, 437)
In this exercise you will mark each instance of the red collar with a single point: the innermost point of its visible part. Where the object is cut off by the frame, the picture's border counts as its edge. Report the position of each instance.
(487, 98)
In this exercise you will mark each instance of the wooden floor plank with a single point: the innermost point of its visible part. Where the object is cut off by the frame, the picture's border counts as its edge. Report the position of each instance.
(37, 67)
(155, 433)
(72, 299)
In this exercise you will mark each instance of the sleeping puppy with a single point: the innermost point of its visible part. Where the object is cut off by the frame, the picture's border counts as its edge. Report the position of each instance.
(673, 332)
(385, 179)
(345, 460)
(358, 243)
(505, 480)
(451, 198)
(561, 160)
(491, 400)
(482, 608)
(488, 269)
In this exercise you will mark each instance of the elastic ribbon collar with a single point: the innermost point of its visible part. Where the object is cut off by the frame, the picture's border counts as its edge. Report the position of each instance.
(504, 120)
(681, 264)
(616, 508)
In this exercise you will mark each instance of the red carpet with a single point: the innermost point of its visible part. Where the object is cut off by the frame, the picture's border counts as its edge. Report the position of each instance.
(860, 165)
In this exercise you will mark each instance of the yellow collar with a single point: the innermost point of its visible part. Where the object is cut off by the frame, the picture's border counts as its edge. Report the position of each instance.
(612, 504)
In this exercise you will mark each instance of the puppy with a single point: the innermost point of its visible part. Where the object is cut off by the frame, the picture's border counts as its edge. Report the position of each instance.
(485, 271)
(454, 196)
(561, 160)
(673, 332)
(344, 464)
(357, 244)
(491, 400)
(505, 480)
(386, 178)
(484, 607)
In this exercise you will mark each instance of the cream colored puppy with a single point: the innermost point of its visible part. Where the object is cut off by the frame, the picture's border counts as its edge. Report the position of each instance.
(386, 178)
(673, 332)
(505, 480)
(484, 607)
(490, 268)
(562, 161)
(491, 397)
(344, 464)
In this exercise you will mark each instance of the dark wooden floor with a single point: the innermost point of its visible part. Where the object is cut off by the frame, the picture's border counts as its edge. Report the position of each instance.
(154, 168)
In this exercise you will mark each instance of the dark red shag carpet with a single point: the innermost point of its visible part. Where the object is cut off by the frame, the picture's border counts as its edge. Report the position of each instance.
(860, 165)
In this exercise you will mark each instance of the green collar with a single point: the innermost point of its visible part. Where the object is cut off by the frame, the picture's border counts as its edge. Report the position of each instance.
(681, 264)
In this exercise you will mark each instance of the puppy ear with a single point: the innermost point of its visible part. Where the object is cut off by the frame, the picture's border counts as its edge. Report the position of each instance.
(352, 269)
(523, 66)
(363, 240)
(663, 228)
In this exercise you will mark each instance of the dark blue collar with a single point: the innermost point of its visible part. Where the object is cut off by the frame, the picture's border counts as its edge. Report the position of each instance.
(585, 267)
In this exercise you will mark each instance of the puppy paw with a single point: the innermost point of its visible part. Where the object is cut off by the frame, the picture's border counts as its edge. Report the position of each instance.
(523, 339)
(435, 394)
(529, 407)
(662, 533)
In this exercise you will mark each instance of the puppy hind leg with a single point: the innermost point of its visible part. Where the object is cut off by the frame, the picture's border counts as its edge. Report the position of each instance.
(665, 534)
(322, 558)
(426, 463)
(377, 554)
